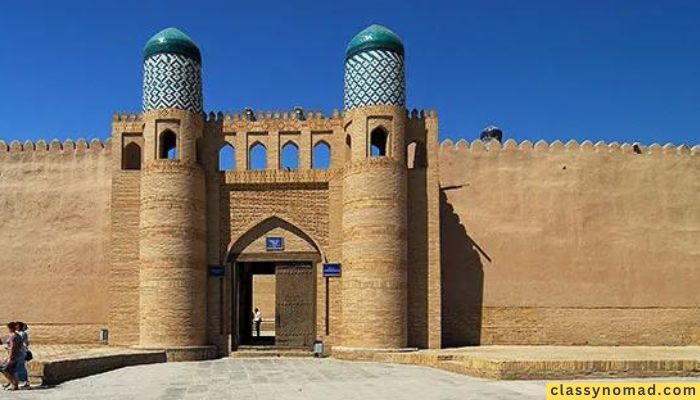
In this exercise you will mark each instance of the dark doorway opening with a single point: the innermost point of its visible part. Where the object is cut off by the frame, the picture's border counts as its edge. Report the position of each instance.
(254, 280)
(285, 294)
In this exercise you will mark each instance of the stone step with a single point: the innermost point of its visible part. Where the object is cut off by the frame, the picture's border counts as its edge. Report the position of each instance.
(269, 352)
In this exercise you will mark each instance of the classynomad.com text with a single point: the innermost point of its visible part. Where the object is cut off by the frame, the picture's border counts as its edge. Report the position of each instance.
(623, 391)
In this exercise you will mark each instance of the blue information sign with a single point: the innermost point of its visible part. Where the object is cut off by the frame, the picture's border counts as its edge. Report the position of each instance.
(274, 243)
(331, 270)
(217, 270)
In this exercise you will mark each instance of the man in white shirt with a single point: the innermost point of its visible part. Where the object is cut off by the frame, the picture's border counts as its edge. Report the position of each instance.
(257, 319)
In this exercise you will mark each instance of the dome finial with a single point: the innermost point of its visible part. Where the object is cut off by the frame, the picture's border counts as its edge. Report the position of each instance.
(172, 40)
(374, 37)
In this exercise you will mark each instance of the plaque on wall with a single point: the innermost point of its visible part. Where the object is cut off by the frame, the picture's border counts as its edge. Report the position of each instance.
(274, 243)
(331, 270)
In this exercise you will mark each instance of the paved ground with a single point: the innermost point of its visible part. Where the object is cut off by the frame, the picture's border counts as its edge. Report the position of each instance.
(287, 379)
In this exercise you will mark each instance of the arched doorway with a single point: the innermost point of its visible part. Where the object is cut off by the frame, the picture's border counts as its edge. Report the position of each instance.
(274, 268)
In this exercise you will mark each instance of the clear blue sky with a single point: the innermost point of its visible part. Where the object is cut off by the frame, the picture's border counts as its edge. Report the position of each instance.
(599, 70)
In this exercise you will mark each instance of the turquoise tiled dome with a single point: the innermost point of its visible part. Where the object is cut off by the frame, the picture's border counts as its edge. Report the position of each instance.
(374, 70)
(372, 38)
(172, 41)
(172, 72)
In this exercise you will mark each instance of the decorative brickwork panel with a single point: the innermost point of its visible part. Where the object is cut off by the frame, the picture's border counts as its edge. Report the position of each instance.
(172, 81)
(303, 205)
(375, 77)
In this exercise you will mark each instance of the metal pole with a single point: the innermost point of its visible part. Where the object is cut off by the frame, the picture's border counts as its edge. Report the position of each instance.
(328, 308)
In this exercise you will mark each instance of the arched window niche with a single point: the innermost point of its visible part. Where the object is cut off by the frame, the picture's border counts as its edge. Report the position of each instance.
(167, 149)
(321, 156)
(379, 139)
(257, 157)
(290, 156)
(227, 157)
(131, 157)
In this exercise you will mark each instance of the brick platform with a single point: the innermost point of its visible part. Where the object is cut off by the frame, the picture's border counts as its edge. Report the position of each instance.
(59, 363)
(54, 364)
(546, 362)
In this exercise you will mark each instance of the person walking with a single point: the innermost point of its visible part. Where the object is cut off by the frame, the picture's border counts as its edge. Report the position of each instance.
(23, 355)
(257, 319)
(9, 367)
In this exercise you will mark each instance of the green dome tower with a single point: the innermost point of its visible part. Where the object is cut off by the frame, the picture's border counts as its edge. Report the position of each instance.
(374, 222)
(172, 247)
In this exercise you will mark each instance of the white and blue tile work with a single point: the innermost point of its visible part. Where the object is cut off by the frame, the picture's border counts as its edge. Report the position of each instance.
(172, 72)
(374, 69)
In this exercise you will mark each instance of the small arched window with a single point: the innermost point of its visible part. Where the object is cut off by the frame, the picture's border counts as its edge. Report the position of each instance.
(321, 156)
(257, 157)
(168, 145)
(131, 156)
(378, 142)
(348, 148)
(290, 156)
(415, 155)
(227, 157)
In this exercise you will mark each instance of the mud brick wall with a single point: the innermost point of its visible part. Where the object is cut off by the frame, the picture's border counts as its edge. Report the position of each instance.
(54, 230)
(570, 244)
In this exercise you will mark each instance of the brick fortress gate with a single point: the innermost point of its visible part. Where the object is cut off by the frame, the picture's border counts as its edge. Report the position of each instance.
(189, 238)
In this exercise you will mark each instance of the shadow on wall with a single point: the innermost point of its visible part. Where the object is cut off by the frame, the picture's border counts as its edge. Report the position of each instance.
(462, 274)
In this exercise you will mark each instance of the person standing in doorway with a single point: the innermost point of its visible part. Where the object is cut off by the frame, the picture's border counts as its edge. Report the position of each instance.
(257, 319)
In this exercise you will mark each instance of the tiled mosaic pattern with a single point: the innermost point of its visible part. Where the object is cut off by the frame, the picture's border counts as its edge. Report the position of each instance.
(172, 81)
(375, 77)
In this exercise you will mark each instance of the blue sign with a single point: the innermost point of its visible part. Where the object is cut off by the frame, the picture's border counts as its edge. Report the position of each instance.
(217, 270)
(274, 243)
(331, 270)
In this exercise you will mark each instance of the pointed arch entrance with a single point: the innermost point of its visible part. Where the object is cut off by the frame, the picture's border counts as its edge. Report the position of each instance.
(279, 280)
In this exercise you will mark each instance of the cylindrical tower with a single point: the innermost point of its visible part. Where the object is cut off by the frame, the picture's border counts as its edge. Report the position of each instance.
(172, 219)
(374, 193)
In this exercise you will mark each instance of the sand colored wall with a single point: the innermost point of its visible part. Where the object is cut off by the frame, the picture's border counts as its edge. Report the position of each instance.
(575, 244)
(54, 230)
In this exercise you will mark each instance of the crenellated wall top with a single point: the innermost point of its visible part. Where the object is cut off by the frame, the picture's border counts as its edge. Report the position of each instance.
(510, 145)
(295, 119)
(56, 147)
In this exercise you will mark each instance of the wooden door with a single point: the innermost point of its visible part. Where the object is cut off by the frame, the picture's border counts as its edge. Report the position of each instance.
(295, 311)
